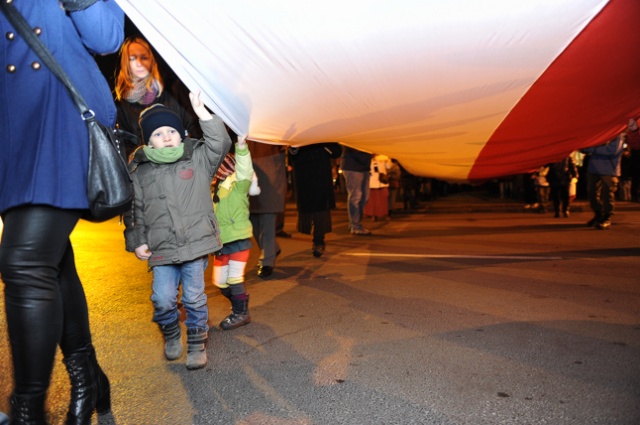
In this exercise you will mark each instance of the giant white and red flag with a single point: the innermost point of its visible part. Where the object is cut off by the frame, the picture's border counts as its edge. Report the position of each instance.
(461, 90)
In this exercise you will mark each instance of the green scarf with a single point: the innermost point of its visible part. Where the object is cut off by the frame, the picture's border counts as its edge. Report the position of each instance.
(164, 155)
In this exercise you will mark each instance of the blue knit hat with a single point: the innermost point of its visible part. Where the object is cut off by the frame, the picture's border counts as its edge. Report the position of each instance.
(156, 116)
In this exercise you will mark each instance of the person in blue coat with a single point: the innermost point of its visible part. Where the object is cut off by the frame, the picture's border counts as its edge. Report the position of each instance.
(603, 173)
(43, 176)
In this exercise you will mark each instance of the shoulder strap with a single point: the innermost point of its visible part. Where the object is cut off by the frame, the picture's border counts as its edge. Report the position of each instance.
(24, 29)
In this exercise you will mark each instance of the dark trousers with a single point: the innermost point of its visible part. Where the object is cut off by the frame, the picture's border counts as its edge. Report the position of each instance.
(316, 223)
(280, 222)
(264, 232)
(560, 197)
(44, 300)
(602, 194)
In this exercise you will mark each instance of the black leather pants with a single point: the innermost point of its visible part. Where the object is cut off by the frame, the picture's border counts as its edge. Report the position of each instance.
(44, 299)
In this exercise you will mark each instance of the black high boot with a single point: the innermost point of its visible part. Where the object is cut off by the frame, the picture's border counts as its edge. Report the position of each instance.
(90, 389)
(239, 314)
(28, 410)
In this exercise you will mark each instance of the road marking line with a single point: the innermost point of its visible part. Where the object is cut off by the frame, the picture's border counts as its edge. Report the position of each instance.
(272, 393)
(481, 257)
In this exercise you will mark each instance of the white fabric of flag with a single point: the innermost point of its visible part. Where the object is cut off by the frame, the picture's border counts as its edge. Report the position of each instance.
(427, 82)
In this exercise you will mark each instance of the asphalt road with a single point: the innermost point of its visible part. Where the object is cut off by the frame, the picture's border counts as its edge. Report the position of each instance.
(487, 318)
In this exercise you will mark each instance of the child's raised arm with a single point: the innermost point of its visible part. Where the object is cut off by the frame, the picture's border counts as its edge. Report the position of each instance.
(198, 106)
(242, 142)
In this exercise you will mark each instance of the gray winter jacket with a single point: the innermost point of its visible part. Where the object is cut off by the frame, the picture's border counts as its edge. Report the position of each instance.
(173, 209)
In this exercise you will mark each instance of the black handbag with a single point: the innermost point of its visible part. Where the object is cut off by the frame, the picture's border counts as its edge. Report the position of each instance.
(109, 184)
(382, 177)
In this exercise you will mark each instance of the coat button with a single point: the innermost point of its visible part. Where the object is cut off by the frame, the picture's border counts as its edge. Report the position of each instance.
(37, 30)
(10, 36)
(35, 65)
(11, 69)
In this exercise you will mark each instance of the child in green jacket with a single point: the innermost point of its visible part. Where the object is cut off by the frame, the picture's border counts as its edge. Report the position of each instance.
(235, 180)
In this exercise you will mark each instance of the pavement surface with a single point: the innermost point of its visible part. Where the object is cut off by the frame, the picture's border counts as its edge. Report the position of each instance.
(444, 316)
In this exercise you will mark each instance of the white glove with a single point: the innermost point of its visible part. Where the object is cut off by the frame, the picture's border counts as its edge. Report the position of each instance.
(254, 189)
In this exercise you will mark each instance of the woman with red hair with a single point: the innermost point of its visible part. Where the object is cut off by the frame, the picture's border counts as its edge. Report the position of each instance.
(140, 85)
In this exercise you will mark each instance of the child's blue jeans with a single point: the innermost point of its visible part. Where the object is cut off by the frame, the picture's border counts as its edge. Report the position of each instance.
(166, 281)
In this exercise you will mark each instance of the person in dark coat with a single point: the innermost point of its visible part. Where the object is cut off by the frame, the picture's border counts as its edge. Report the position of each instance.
(139, 85)
(43, 175)
(313, 183)
(269, 163)
(559, 178)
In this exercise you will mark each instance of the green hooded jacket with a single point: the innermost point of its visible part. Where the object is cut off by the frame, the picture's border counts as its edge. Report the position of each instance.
(232, 210)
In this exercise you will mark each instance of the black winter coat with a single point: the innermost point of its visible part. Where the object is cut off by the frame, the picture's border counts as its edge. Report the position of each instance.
(560, 173)
(313, 178)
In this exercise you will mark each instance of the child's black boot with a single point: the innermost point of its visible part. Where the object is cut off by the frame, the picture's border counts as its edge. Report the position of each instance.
(239, 313)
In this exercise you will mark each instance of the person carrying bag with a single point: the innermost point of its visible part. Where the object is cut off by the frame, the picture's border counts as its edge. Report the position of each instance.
(109, 185)
(43, 174)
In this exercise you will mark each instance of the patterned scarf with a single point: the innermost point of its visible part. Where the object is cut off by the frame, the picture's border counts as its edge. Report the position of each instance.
(139, 92)
(227, 167)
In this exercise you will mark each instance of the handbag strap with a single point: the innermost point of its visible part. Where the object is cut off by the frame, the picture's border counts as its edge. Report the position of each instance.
(24, 29)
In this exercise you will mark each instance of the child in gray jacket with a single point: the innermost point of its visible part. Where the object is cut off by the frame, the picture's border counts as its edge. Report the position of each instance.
(172, 224)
